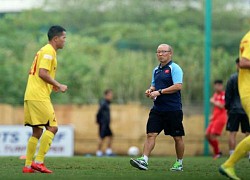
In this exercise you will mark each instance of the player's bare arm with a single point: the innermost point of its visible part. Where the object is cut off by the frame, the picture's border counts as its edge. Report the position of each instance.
(212, 100)
(44, 75)
(216, 103)
(148, 91)
(244, 63)
(170, 90)
(219, 105)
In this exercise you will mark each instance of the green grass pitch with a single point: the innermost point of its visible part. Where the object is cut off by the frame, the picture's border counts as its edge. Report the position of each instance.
(119, 168)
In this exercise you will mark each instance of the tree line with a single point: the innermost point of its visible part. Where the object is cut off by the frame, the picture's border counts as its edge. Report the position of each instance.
(112, 45)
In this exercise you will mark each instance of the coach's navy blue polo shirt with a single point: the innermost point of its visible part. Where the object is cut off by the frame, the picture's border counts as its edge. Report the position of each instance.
(164, 77)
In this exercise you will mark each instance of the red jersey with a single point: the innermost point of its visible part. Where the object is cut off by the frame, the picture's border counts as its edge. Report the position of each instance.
(218, 112)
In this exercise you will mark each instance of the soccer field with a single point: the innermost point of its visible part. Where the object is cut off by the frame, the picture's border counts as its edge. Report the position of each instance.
(119, 168)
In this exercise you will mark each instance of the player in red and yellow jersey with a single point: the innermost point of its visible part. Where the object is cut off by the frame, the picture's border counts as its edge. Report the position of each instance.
(218, 118)
(38, 110)
(243, 147)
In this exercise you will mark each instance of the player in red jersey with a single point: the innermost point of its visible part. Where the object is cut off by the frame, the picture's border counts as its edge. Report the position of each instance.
(218, 118)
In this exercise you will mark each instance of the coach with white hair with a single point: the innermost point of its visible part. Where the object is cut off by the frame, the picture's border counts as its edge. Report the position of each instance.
(166, 113)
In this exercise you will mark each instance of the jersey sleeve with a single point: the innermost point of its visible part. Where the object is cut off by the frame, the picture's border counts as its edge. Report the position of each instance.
(46, 60)
(177, 74)
(153, 78)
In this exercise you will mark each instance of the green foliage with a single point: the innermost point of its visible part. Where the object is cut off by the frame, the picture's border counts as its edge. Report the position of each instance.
(112, 45)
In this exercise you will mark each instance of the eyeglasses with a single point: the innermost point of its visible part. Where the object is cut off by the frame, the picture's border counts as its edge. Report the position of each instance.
(162, 52)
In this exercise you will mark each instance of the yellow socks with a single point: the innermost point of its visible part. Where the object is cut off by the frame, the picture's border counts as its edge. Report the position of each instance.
(240, 151)
(31, 150)
(45, 143)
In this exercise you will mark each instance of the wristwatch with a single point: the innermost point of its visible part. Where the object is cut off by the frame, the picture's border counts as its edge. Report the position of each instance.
(160, 91)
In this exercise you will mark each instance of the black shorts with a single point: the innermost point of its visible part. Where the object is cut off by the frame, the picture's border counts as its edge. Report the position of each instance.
(170, 122)
(104, 130)
(235, 120)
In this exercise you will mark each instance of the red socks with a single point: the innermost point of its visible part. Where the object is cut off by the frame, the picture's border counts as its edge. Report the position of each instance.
(215, 144)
